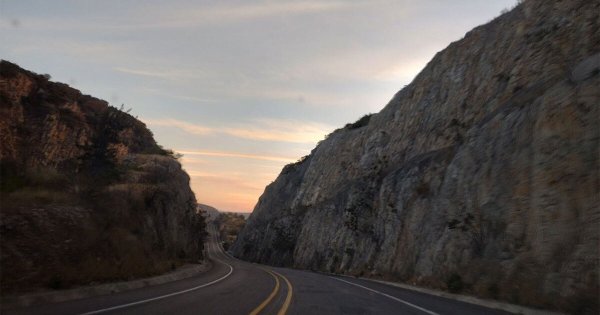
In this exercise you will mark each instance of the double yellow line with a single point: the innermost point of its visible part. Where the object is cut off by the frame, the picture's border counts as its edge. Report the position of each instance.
(288, 298)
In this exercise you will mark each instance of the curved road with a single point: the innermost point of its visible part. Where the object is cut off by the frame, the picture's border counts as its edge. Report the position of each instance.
(237, 287)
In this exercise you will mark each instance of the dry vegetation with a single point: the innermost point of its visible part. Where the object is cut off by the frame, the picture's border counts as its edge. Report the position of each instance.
(86, 194)
(230, 225)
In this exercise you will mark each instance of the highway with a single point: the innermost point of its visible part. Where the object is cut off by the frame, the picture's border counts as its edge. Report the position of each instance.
(237, 287)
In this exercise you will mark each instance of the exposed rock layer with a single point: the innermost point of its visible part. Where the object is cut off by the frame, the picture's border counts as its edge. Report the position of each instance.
(481, 174)
(86, 193)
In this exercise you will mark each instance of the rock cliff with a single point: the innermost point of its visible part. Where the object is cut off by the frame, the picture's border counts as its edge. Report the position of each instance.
(86, 193)
(480, 176)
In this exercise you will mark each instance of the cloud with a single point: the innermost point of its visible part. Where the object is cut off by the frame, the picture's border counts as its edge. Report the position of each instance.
(261, 130)
(101, 50)
(185, 126)
(262, 10)
(174, 75)
(225, 194)
(238, 155)
(225, 180)
(145, 73)
(157, 92)
(236, 13)
(281, 130)
(172, 16)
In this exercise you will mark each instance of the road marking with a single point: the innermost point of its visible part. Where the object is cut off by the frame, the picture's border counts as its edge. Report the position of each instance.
(288, 298)
(270, 297)
(389, 296)
(166, 295)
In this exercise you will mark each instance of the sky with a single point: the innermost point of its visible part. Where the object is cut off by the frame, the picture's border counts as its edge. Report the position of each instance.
(240, 88)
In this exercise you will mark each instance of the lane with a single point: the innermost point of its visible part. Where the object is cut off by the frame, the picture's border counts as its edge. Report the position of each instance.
(317, 293)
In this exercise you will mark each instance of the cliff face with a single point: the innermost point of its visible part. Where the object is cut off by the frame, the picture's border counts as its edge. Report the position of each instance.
(86, 193)
(482, 174)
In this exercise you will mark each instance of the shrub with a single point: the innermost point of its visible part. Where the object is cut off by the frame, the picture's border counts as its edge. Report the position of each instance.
(493, 290)
(363, 121)
(168, 152)
(454, 283)
(55, 283)
(10, 178)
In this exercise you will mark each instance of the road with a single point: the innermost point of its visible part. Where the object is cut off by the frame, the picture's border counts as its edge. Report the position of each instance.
(237, 287)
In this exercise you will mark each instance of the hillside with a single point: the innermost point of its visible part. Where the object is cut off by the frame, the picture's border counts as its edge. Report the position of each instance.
(480, 176)
(210, 213)
(229, 225)
(86, 193)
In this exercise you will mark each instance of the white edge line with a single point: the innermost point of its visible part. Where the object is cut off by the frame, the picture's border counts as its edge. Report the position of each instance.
(164, 296)
(389, 296)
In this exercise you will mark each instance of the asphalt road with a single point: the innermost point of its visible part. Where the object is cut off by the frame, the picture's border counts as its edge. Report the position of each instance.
(237, 287)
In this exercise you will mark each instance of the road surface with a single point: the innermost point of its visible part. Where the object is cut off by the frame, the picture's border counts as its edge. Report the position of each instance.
(237, 287)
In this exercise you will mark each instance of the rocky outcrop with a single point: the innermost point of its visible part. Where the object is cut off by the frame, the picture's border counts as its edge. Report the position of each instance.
(481, 175)
(86, 193)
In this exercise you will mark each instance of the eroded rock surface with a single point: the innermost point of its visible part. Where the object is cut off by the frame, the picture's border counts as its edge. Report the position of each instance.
(483, 169)
(86, 193)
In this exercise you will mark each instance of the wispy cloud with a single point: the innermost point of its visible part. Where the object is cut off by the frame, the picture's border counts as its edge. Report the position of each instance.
(261, 130)
(145, 73)
(238, 13)
(281, 130)
(238, 155)
(170, 74)
(157, 92)
(185, 126)
(262, 10)
(173, 16)
(96, 50)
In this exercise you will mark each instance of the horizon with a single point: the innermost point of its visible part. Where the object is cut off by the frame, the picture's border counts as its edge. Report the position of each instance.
(239, 90)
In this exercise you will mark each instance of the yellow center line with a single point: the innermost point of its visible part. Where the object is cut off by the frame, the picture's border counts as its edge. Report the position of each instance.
(269, 298)
(288, 298)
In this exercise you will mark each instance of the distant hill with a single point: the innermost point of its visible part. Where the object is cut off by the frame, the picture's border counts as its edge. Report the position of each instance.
(86, 193)
(209, 212)
(246, 215)
(212, 212)
(229, 225)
